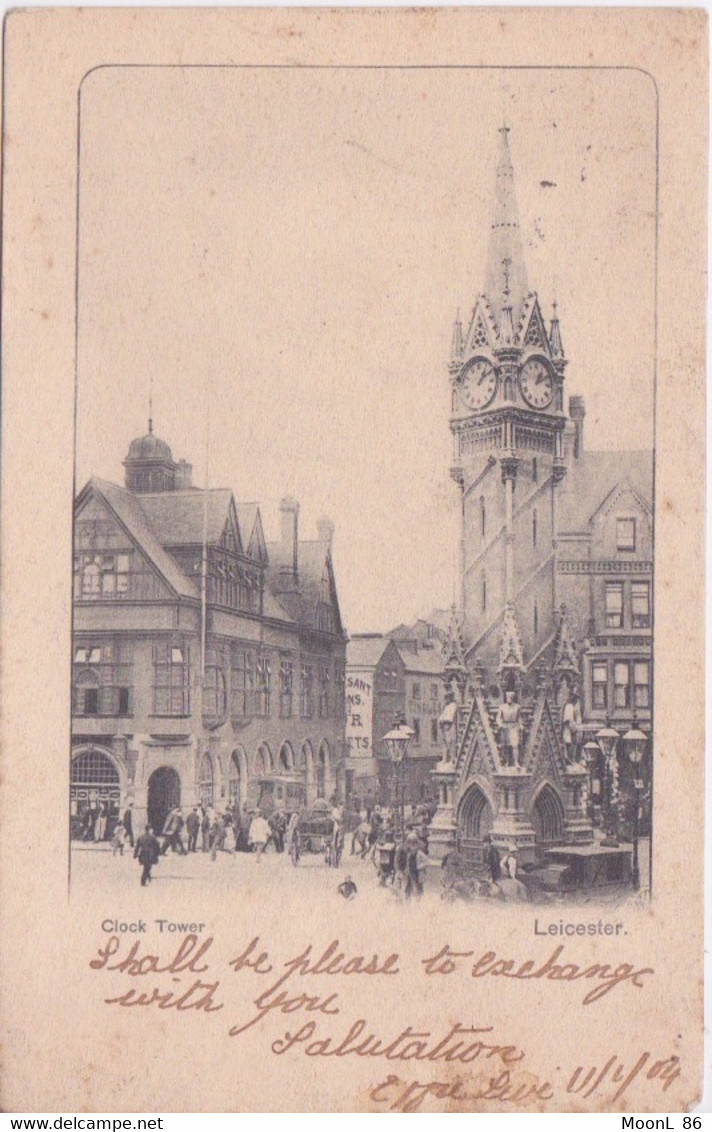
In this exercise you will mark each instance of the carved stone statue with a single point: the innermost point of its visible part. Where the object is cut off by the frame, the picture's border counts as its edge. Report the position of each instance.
(571, 722)
(510, 729)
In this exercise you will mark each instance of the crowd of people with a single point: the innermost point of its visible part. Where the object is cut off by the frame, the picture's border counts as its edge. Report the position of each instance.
(498, 879)
(398, 851)
(396, 845)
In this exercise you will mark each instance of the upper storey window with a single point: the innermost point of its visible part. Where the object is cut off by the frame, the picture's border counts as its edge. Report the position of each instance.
(171, 678)
(614, 605)
(625, 534)
(99, 576)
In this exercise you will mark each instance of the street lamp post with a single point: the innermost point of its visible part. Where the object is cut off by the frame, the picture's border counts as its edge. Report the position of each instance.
(397, 741)
(634, 742)
(607, 739)
(591, 752)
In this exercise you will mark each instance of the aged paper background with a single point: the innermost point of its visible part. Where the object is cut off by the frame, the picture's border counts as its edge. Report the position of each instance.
(53, 1001)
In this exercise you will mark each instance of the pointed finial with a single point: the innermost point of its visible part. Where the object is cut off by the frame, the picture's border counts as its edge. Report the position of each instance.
(150, 404)
(555, 343)
(458, 342)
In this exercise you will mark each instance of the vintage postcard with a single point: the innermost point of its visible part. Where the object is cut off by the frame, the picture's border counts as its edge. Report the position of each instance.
(352, 560)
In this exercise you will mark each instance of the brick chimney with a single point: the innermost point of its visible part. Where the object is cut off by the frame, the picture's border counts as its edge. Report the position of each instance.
(183, 475)
(325, 527)
(289, 569)
(577, 412)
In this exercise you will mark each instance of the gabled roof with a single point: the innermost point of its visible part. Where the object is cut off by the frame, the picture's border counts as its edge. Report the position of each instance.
(177, 516)
(314, 564)
(253, 539)
(130, 514)
(425, 662)
(365, 652)
(591, 479)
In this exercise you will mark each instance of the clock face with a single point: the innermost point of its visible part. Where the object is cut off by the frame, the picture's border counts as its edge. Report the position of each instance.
(478, 383)
(536, 383)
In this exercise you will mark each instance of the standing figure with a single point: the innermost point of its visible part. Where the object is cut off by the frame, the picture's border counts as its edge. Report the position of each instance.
(119, 838)
(508, 722)
(509, 863)
(361, 839)
(90, 817)
(218, 836)
(415, 865)
(291, 828)
(237, 825)
(128, 824)
(100, 827)
(192, 824)
(147, 851)
(491, 859)
(259, 834)
(571, 723)
(278, 825)
(205, 830)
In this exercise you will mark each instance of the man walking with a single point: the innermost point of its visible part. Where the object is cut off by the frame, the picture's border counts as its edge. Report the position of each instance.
(192, 824)
(491, 859)
(147, 851)
(278, 826)
(205, 830)
(260, 834)
(128, 824)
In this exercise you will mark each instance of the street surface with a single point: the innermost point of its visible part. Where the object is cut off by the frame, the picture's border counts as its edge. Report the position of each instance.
(95, 870)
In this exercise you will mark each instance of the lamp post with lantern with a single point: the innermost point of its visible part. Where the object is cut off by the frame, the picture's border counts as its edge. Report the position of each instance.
(607, 739)
(397, 742)
(634, 742)
(591, 752)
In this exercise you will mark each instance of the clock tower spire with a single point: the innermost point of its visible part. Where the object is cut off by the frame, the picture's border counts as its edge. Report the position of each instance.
(507, 374)
(505, 240)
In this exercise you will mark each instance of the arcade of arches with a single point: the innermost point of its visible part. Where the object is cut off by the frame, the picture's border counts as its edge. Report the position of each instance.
(102, 783)
(476, 818)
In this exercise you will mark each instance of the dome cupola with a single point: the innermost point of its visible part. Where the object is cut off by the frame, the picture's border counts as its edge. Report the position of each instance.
(149, 464)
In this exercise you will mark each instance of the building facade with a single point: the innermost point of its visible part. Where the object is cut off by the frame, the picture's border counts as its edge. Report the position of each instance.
(553, 635)
(208, 664)
(424, 702)
(386, 682)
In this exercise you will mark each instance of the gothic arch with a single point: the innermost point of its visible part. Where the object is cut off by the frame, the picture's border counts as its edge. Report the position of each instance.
(323, 770)
(547, 815)
(286, 757)
(306, 757)
(206, 781)
(475, 813)
(306, 765)
(263, 761)
(237, 777)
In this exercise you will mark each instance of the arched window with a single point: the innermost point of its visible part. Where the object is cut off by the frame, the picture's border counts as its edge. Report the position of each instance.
(234, 780)
(483, 583)
(536, 618)
(534, 524)
(206, 781)
(95, 790)
(263, 760)
(483, 517)
(535, 470)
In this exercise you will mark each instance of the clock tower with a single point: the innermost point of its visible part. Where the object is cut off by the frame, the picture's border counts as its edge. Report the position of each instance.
(507, 420)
